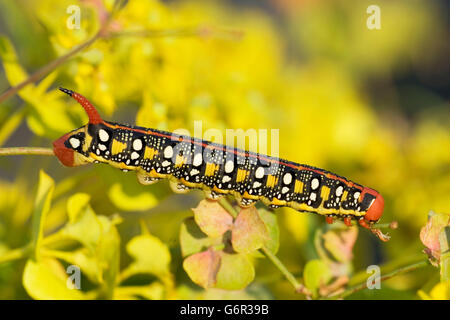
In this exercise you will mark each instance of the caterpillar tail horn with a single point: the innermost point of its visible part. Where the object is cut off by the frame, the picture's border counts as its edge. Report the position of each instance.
(94, 116)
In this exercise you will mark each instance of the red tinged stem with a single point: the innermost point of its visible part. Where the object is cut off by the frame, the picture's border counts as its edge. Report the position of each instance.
(94, 116)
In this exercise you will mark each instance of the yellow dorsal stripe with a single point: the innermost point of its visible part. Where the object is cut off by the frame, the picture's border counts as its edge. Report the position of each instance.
(117, 147)
(241, 175)
(298, 186)
(325, 193)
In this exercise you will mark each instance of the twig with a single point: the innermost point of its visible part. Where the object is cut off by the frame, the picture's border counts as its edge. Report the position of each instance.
(280, 266)
(396, 272)
(26, 150)
(104, 34)
(273, 258)
(224, 203)
(47, 68)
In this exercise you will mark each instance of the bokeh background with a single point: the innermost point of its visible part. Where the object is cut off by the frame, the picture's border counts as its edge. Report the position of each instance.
(371, 105)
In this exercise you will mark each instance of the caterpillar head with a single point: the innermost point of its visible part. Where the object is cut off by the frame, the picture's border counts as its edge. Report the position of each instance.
(375, 206)
(68, 148)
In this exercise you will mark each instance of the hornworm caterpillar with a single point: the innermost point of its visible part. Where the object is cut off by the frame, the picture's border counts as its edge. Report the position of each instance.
(217, 169)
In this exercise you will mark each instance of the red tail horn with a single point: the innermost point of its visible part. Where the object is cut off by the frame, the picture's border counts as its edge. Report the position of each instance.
(94, 117)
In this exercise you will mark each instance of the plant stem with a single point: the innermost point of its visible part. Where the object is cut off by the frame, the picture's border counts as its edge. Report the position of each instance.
(26, 150)
(289, 276)
(47, 68)
(394, 273)
(224, 203)
(15, 254)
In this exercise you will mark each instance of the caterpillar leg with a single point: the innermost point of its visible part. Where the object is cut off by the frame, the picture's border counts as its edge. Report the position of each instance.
(329, 219)
(348, 221)
(212, 195)
(178, 187)
(245, 203)
(146, 179)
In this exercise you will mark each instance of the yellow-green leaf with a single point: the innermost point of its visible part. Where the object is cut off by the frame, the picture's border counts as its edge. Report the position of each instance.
(153, 291)
(440, 291)
(316, 274)
(150, 255)
(236, 271)
(193, 240)
(41, 208)
(270, 220)
(131, 202)
(202, 267)
(429, 234)
(212, 218)
(43, 280)
(249, 232)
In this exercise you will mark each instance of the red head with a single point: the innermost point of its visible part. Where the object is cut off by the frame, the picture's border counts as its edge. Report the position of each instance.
(376, 205)
(67, 148)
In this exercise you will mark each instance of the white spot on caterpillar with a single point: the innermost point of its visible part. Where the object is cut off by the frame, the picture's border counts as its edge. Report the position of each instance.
(259, 173)
(134, 156)
(74, 142)
(97, 152)
(102, 147)
(284, 190)
(137, 144)
(168, 152)
(356, 195)
(226, 179)
(166, 163)
(339, 191)
(197, 160)
(127, 162)
(256, 184)
(194, 172)
(313, 196)
(287, 179)
(229, 166)
(315, 183)
(103, 135)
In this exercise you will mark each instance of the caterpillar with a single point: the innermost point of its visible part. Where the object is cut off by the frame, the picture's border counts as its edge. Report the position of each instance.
(191, 163)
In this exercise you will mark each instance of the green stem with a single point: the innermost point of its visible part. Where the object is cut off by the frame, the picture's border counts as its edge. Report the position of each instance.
(289, 276)
(26, 150)
(387, 276)
(224, 203)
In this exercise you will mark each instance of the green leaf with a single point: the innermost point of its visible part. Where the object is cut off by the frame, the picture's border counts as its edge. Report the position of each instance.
(212, 218)
(150, 255)
(249, 232)
(41, 208)
(235, 273)
(270, 220)
(202, 267)
(193, 240)
(316, 274)
(47, 280)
